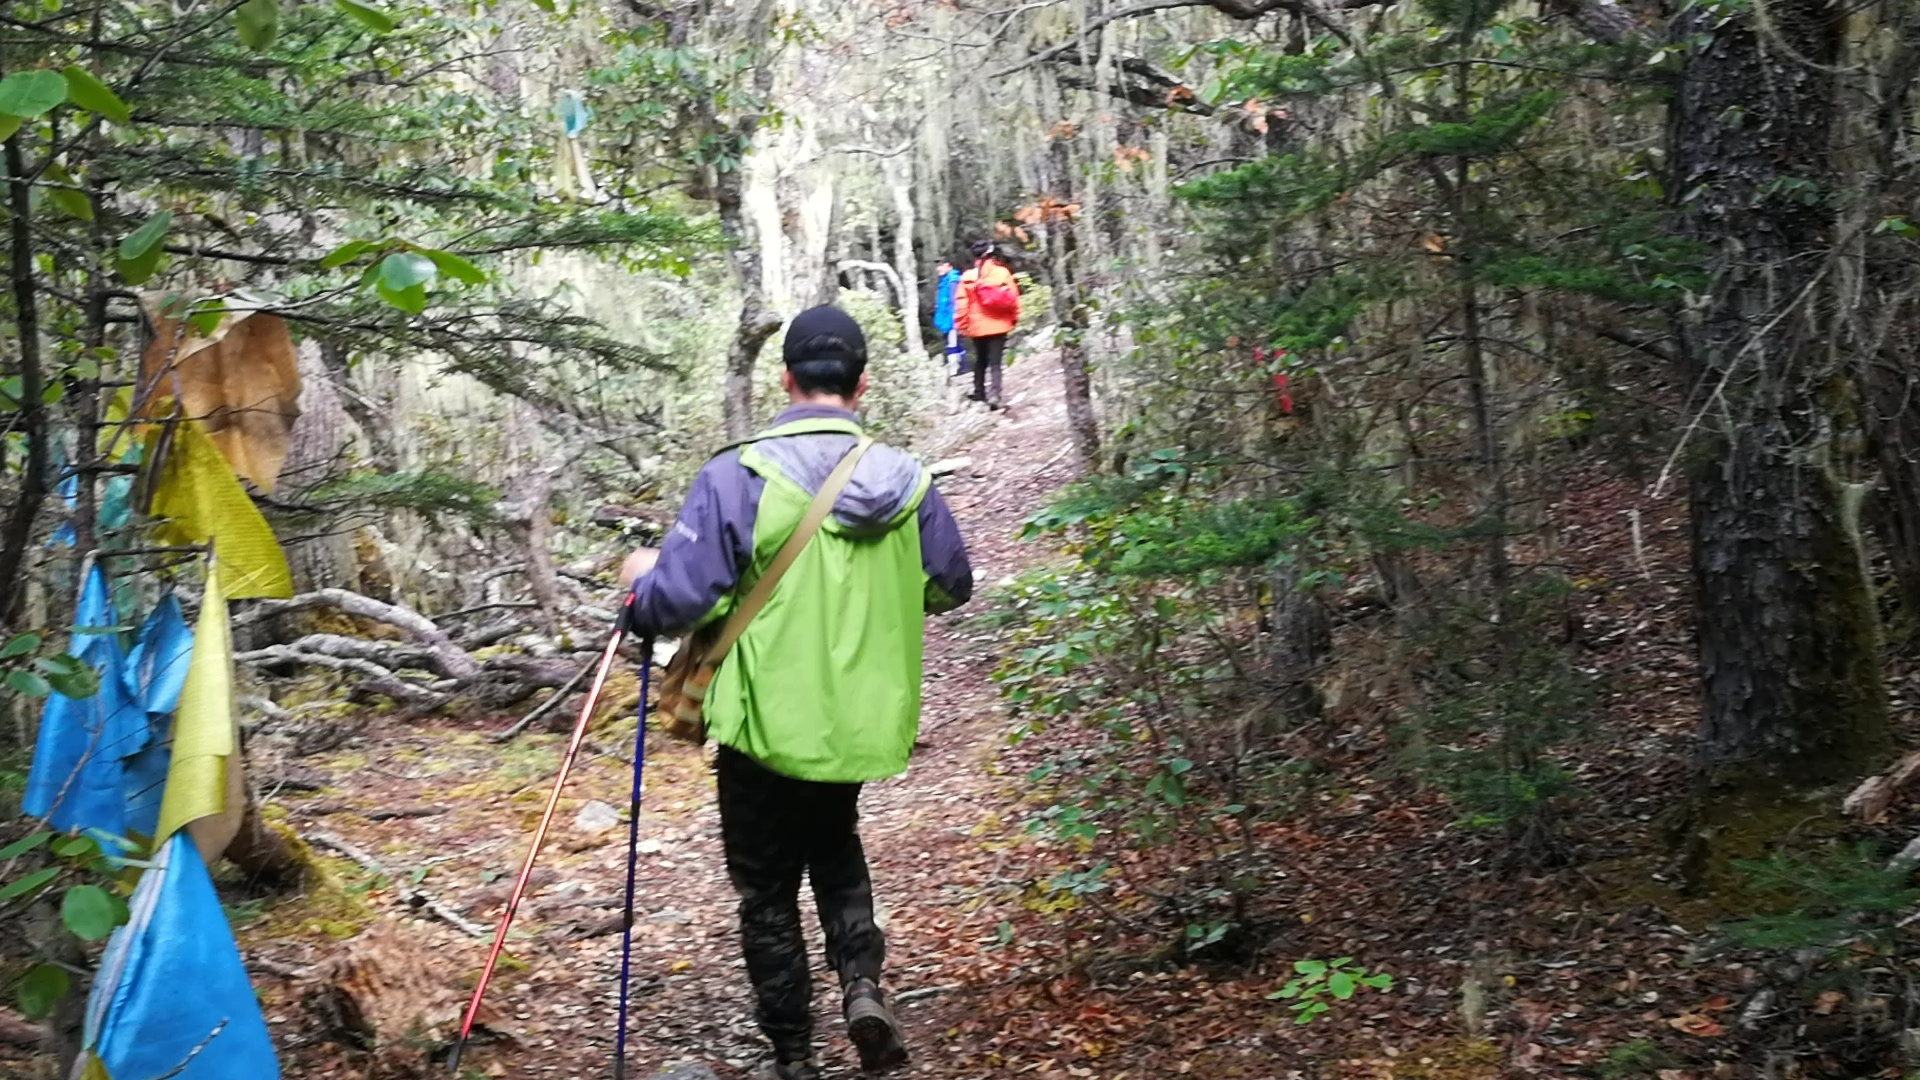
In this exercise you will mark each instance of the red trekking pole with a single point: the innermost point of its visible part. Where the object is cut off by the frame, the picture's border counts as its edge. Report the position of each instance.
(539, 837)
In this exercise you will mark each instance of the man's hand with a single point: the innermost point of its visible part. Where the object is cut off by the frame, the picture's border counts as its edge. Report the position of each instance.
(637, 564)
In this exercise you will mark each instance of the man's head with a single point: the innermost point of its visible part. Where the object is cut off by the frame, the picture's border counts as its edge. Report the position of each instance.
(982, 250)
(942, 267)
(826, 357)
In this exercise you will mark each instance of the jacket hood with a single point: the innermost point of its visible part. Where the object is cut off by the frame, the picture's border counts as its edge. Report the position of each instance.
(883, 483)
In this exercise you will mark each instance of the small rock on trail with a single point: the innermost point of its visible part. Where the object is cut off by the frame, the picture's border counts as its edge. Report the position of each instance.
(596, 817)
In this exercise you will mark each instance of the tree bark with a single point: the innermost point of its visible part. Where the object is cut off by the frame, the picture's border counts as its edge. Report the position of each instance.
(1788, 645)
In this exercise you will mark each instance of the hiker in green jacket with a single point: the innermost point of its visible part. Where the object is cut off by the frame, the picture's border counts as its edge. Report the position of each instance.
(821, 692)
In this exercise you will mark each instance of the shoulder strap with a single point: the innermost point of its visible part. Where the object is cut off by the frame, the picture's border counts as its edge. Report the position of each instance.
(810, 523)
(822, 426)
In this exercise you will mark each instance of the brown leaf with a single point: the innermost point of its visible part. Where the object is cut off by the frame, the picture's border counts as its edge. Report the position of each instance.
(1829, 1001)
(1696, 1025)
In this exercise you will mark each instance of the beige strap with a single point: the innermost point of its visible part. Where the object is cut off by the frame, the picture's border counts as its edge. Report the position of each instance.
(810, 523)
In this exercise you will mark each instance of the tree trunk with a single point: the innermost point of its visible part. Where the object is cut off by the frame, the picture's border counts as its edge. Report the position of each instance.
(1880, 287)
(316, 450)
(899, 171)
(1071, 322)
(1788, 646)
(18, 530)
(525, 507)
(757, 321)
(1892, 407)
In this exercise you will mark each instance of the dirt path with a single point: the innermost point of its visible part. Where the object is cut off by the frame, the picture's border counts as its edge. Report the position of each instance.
(929, 835)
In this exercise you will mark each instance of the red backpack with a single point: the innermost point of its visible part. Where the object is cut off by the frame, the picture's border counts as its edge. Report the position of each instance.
(1001, 301)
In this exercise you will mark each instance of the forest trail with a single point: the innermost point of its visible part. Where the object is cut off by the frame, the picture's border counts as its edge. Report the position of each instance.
(458, 807)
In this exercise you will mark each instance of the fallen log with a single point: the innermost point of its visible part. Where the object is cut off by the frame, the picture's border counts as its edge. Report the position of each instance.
(378, 679)
(1870, 801)
(422, 629)
(409, 894)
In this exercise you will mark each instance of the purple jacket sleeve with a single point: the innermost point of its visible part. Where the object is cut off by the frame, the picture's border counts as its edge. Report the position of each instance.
(703, 554)
(943, 555)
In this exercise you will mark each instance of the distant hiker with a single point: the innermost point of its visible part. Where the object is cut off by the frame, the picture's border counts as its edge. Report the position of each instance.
(986, 308)
(943, 290)
(822, 690)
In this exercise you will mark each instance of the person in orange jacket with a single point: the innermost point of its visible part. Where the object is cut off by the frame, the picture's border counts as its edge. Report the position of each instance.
(986, 307)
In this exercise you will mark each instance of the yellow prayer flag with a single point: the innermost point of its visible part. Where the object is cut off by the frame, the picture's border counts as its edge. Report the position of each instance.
(200, 500)
(204, 793)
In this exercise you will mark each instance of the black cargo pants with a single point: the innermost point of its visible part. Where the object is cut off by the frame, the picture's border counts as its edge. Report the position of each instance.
(774, 828)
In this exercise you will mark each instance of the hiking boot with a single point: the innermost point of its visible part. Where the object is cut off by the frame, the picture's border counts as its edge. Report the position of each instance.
(871, 1026)
(791, 1070)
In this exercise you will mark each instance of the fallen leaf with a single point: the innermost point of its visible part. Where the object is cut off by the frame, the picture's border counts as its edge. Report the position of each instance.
(1829, 1001)
(1696, 1025)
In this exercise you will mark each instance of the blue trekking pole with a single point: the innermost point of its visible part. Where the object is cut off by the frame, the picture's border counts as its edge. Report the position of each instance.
(633, 858)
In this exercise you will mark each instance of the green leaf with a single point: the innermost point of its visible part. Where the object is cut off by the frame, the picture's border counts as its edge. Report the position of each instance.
(457, 268)
(405, 269)
(207, 319)
(25, 844)
(1898, 226)
(72, 203)
(1341, 983)
(1179, 765)
(91, 912)
(147, 237)
(27, 684)
(19, 645)
(412, 299)
(544, 5)
(1310, 968)
(29, 883)
(258, 22)
(91, 94)
(345, 254)
(136, 271)
(78, 685)
(41, 989)
(74, 847)
(372, 18)
(51, 393)
(1379, 981)
(9, 125)
(30, 93)
(62, 663)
